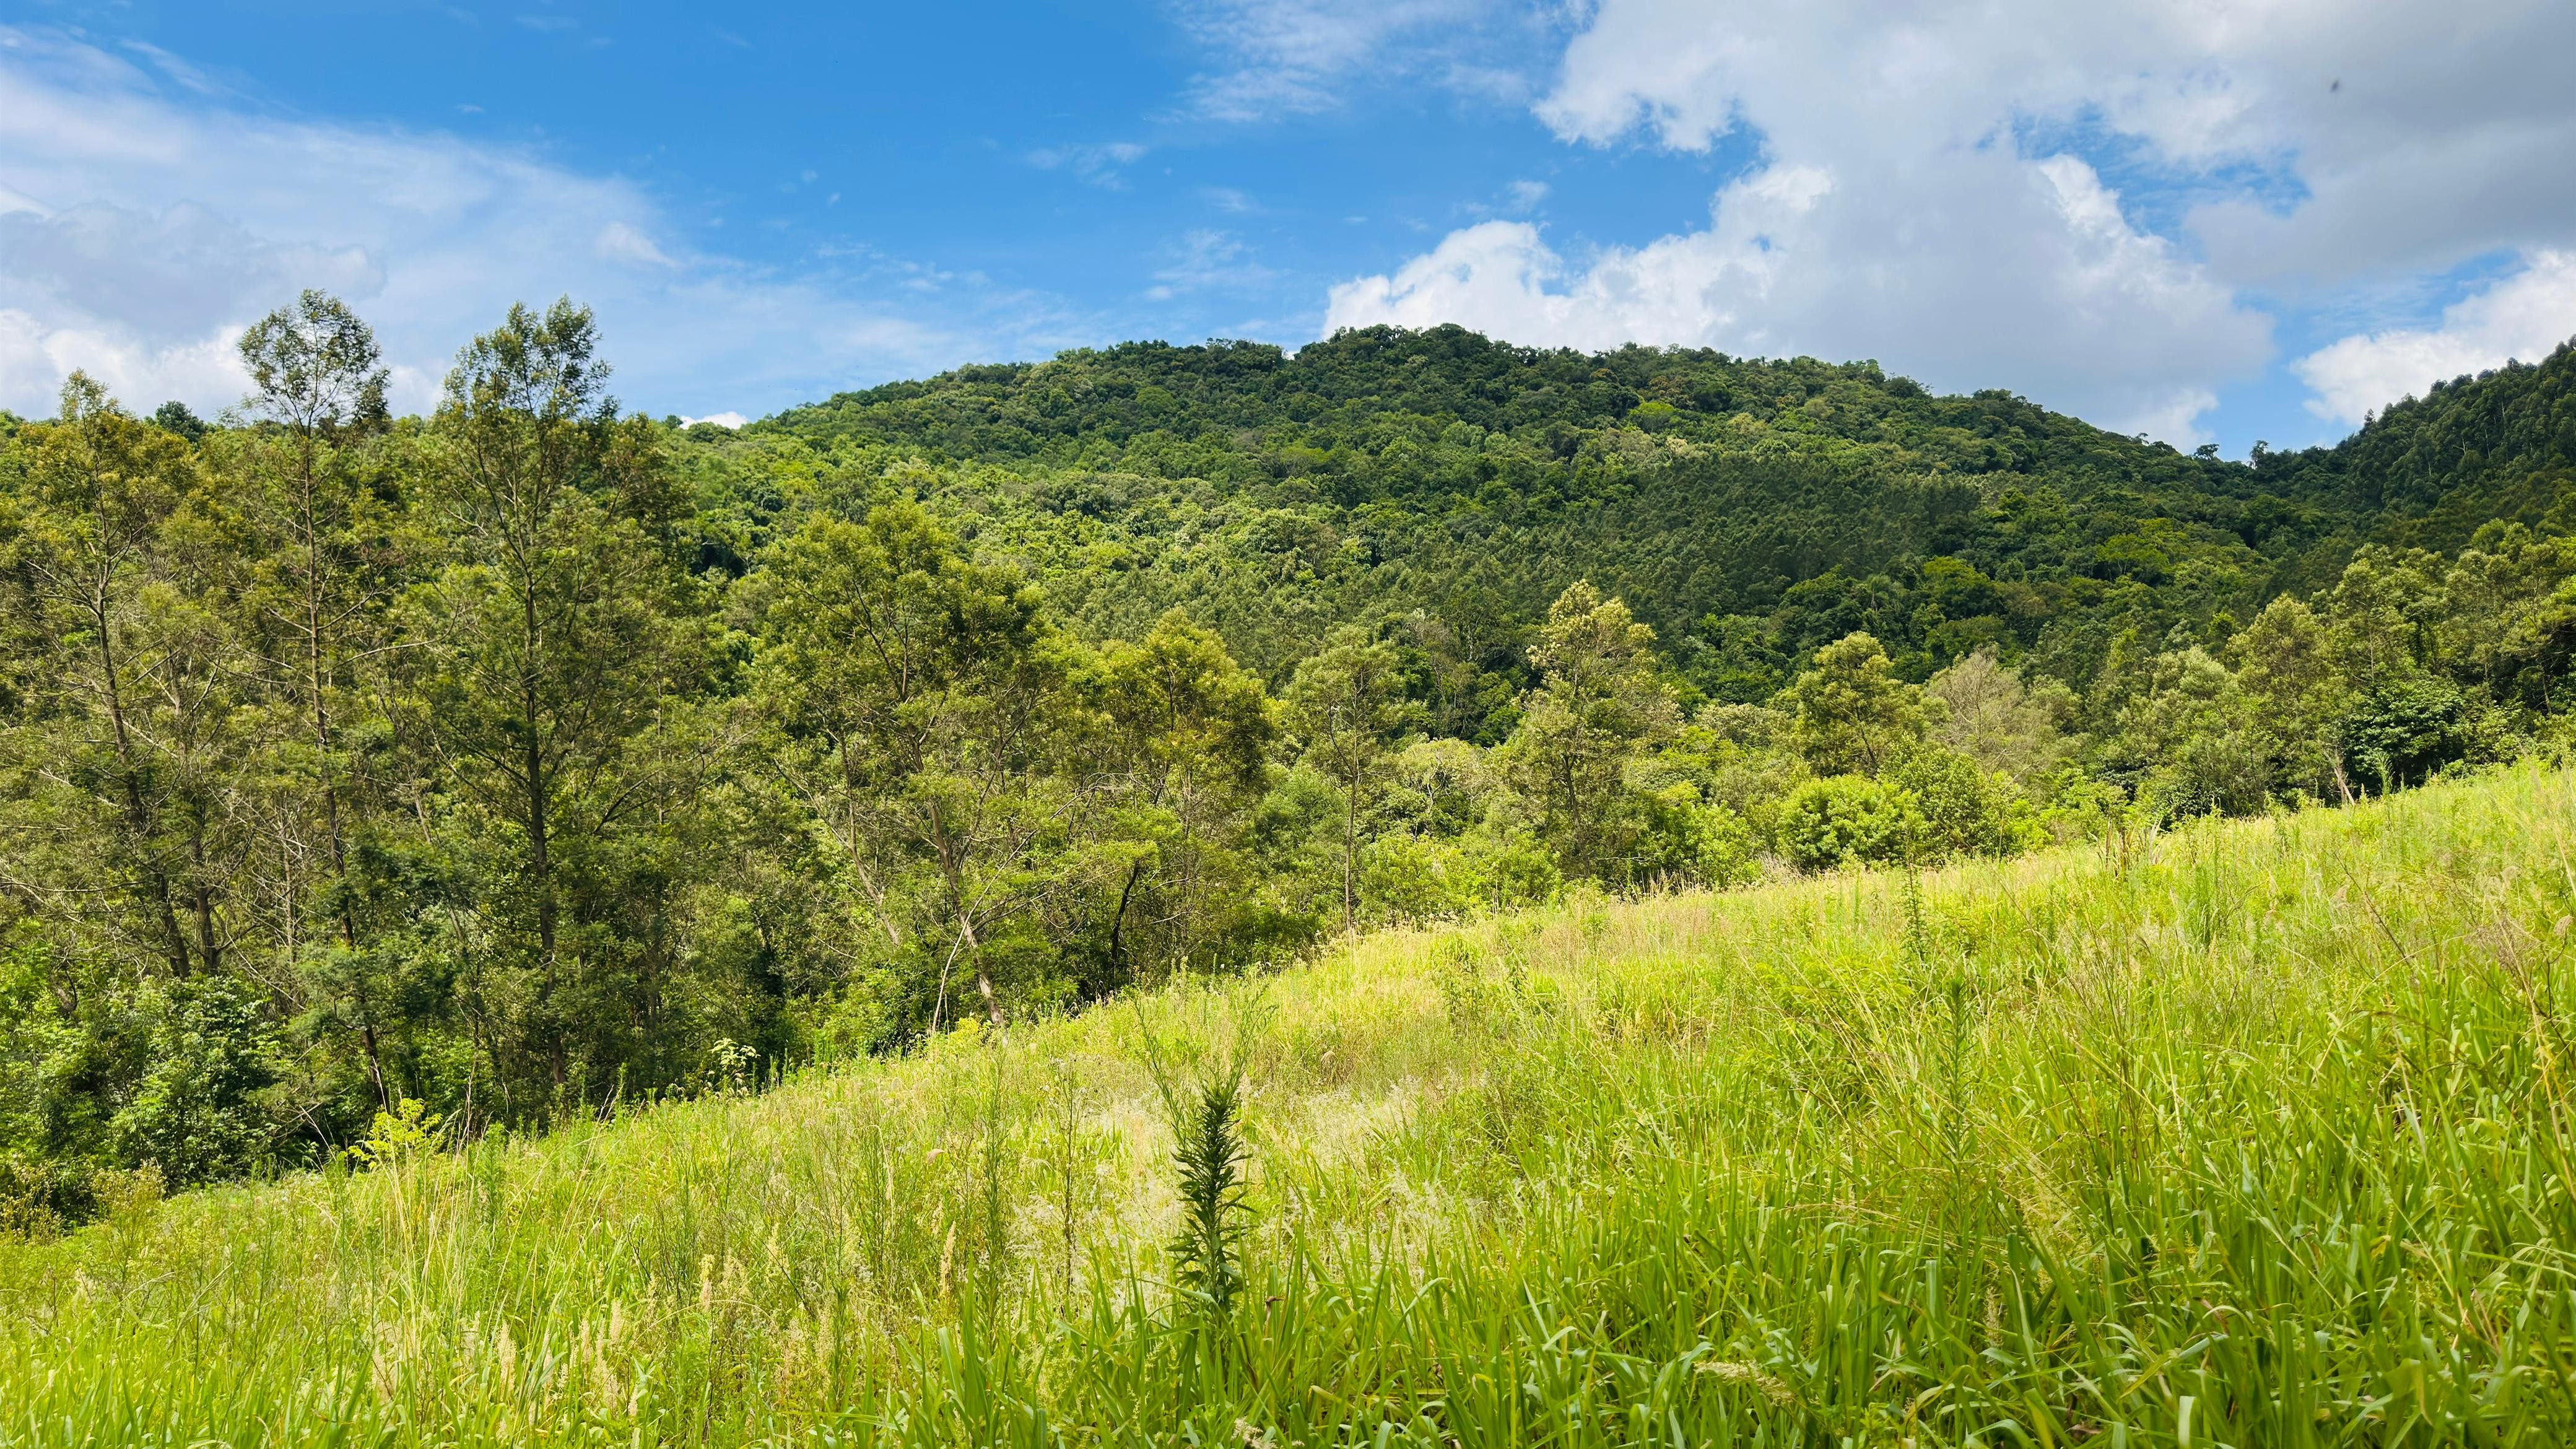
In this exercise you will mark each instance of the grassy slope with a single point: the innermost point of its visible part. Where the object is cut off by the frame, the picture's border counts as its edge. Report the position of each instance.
(2256, 1128)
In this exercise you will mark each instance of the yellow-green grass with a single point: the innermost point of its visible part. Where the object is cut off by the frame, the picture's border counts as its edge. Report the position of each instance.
(2248, 1133)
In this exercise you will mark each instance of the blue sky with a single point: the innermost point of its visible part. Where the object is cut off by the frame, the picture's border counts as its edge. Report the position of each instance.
(2225, 221)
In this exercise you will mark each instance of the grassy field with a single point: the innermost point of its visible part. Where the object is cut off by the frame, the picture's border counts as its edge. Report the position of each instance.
(2250, 1133)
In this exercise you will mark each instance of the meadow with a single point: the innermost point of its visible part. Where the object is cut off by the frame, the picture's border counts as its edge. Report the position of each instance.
(2245, 1133)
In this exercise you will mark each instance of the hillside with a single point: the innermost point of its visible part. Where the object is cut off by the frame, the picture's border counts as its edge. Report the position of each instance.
(1749, 510)
(2497, 448)
(532, 755)
(2245, 1133)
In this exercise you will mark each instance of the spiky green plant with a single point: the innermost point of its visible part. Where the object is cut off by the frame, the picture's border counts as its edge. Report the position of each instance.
(1210, 1158)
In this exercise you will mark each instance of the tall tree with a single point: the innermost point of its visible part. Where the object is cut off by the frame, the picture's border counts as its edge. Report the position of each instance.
(127, 703)
(326, 566)
(1349, 706)
(553, 656)
(1185, 749)
(927, 701)
(1850, 712)
(1598, 705)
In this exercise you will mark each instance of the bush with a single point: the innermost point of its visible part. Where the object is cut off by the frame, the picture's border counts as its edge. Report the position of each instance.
(1408, 877)
(2400, 733)
(1421, 878)
(1964, 810)
(1680, 840)
(195, 1112)
(2210, 774)
(1843, 819)
(39, 1199)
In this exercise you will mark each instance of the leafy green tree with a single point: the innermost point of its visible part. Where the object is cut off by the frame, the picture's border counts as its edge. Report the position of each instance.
(1599, 706)
(932, 718)
(550, 661)
(1349, 706)
(1960, 807)
(2399, 732)
(1850, 713)
(126, 735)
(328, 559)
(2188, 740)
(1987, 713)
(1184, 758)
(2285, 664)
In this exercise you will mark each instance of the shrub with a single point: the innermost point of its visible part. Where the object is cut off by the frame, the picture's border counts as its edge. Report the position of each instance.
(1964, 810)
(195, 1112)
(1843, 819)
(1680, 840)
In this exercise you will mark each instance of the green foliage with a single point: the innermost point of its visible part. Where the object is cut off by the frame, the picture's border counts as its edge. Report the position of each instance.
(1960, 808)
(1730, 1169)
(211, 1048)
(1845, 820)
(1852, 715)
(1598, 706)
(397, 1136)
(532, 759)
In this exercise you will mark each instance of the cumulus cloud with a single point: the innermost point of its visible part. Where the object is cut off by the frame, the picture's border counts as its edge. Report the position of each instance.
(2524, 316)
(143, 225)
(1907, 203)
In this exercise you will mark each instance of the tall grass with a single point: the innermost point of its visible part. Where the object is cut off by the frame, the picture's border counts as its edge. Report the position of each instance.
(2251, 1133)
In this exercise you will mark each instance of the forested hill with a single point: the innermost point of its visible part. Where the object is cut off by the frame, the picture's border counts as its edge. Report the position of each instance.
(530, 756)
(1749, 510)
(2432, 471)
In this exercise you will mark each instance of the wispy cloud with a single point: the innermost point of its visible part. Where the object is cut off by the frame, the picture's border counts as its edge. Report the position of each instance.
(187, 76)
(1207, 260)
(1097, 163)
(623, 242)
(1287, 57)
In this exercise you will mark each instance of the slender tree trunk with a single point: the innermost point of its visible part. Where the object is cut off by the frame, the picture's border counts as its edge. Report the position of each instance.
(1118, 921)
(313, 661)
(1351, 849)
(533, 769)
(315, 680)
(201, 900)
(540, 866)
(173, 943)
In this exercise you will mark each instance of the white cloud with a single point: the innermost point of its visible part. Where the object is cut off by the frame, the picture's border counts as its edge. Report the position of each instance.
(620, 242)
(2050, 292)
(1904, 207)
(1209, 260)
(1291, 57)
(142, 228)
(1097, 163)
(2525, 316)
(722, 420)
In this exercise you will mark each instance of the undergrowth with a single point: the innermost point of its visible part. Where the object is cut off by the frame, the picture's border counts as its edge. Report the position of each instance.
(2248, 1133)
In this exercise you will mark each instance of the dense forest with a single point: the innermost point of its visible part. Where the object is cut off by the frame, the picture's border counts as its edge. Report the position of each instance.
(531, 756)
